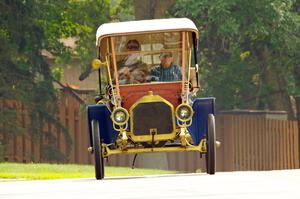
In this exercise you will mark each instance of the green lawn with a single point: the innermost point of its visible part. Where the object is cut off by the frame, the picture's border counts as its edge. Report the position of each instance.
(34, 171)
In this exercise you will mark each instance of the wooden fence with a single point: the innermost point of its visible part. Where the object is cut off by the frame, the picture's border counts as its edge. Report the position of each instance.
(256, 143)
(23, 148)
(248, 143)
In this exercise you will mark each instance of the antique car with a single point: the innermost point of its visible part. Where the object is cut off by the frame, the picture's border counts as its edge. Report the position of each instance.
(148, 77)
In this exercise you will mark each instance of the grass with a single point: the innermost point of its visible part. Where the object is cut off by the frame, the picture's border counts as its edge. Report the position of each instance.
(32, 171)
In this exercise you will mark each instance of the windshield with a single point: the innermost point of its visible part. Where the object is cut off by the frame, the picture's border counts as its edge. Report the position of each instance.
(151, 58)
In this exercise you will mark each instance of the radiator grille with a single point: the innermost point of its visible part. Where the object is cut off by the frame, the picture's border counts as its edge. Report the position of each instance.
(154, 115)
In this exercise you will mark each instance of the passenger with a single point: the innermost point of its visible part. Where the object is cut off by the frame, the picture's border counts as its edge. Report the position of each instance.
(132, 69)
(166, 71)
(134, 58)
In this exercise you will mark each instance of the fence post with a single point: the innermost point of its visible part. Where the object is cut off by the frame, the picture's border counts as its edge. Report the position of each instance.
(297, 99)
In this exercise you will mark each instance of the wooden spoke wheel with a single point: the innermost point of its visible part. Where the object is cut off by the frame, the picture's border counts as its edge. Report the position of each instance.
(99, 164)
(210, 156)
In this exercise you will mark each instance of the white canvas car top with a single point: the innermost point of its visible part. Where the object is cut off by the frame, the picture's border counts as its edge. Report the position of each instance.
(144, 26)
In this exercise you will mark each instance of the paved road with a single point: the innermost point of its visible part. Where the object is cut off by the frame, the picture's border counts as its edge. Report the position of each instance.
(242, 185)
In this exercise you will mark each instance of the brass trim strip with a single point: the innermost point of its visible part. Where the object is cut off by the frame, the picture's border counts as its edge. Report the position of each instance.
(183, 63)
(201, 148)
(115, 70)
(189, 54)
(110, 79)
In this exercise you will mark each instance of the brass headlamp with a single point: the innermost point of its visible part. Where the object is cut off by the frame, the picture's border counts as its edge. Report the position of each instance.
(120, 116)
(184, 112)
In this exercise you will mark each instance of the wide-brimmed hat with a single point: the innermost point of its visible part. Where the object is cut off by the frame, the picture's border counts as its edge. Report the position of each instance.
(165, 55)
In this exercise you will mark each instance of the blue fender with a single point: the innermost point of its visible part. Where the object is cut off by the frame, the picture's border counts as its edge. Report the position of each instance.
(101, 113)
(202, 107)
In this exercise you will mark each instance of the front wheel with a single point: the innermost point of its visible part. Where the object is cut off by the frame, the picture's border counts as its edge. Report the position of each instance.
(210, 156)
(99, 167)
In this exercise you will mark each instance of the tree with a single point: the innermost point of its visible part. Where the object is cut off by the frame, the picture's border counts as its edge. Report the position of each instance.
(247, 49)
(27, 28)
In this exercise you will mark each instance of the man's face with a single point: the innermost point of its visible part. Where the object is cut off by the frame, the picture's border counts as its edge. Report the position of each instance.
(166, 61)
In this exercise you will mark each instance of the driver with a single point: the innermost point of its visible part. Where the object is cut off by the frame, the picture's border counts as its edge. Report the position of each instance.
(166, 71)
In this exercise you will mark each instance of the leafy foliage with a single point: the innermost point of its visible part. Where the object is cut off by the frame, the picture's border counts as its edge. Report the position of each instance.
(122, 10)
(249, 50)
(27, 28)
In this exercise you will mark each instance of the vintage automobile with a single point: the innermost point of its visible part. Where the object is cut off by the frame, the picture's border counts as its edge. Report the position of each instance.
(147, 82)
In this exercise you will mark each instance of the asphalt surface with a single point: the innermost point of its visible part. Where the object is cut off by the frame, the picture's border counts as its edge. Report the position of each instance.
(283, 184)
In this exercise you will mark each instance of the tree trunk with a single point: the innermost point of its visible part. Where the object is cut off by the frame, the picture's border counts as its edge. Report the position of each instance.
(151, 9)
(274, 84)
(280, 98)
(297, 76)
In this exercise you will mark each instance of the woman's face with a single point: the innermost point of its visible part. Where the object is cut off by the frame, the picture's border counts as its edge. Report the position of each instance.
(133, 46)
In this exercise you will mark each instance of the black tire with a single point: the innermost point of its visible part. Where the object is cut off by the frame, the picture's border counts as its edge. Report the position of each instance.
(99, 167)
(210, 156)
